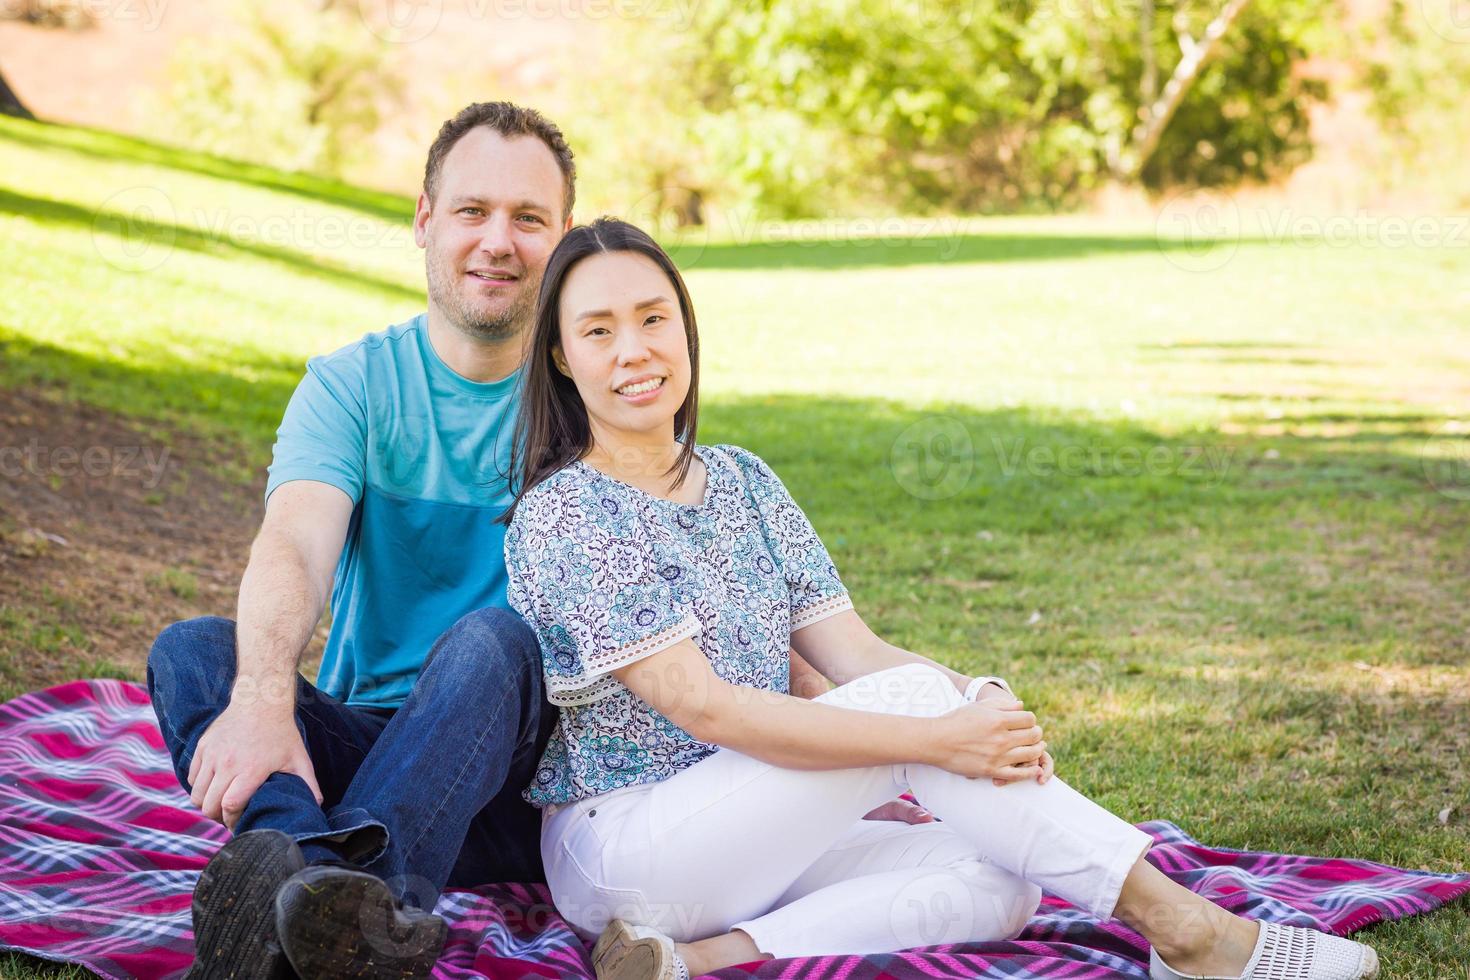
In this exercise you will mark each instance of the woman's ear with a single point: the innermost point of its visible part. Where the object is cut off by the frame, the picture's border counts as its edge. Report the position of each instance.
(560, 361)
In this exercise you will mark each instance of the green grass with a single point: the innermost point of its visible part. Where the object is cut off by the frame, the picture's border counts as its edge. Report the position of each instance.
(1205, 505)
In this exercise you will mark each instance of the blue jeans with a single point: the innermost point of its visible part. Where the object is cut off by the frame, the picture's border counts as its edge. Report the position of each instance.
(425, 796)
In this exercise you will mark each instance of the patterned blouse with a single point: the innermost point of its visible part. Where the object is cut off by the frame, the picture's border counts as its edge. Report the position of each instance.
(606, 574)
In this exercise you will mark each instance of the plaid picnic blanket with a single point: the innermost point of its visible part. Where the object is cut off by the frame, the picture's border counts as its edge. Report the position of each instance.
(100, 849)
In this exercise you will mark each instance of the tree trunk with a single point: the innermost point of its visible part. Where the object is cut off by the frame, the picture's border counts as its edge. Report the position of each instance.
(1156, 114)
(10, 103)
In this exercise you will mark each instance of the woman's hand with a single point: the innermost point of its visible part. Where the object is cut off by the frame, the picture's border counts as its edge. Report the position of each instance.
(903, 811)
(992, 738)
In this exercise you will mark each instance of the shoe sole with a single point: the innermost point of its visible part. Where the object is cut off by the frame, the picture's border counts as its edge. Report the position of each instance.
(336, 922)
(233, 908)
(618, 955)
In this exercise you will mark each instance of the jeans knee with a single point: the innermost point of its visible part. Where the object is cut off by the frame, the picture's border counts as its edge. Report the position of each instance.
(492, 645)
(198, 652)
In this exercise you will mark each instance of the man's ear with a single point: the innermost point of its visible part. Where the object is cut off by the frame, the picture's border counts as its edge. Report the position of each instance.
(420, 221)
(560, 361)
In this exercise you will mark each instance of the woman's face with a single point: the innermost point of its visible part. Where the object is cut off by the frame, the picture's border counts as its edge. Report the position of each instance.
(623, 342)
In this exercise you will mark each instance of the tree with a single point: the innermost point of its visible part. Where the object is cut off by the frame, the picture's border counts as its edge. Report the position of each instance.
(10, 103)
(1157, 110)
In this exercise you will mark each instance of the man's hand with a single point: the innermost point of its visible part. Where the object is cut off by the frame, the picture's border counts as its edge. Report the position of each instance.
(904, 811)
(238, 752)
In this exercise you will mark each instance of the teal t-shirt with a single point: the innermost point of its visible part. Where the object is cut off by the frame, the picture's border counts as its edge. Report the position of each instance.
(424, 453)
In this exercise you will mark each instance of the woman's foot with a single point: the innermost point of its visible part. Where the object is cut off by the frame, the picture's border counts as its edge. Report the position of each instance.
(629, 952)
(1278, 953)
(1219, 944)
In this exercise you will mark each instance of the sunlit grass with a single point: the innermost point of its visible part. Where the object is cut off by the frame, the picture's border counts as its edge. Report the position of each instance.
(1206, 505)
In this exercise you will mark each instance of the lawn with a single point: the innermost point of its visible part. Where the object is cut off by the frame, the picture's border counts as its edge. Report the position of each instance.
(1205, 504)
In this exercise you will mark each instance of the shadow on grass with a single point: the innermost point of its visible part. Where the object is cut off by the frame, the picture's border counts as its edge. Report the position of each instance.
(832, 252)
(137, 232)
(99, 144)
(246, 408)
(863, 460)
(692, 252)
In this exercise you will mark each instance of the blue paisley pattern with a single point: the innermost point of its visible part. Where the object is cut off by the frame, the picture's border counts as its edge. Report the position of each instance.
(606, 574)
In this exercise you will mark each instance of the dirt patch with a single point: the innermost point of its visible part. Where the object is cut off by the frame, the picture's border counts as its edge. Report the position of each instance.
(109, 530)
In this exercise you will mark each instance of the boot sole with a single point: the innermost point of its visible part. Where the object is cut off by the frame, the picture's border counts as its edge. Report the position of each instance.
(336, 922)
(234, 911)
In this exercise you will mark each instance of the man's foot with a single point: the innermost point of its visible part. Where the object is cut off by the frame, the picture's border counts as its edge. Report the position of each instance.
(336, 920)
(234, 909)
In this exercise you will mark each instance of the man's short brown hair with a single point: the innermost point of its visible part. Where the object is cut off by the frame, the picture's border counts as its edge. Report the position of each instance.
(508, 120)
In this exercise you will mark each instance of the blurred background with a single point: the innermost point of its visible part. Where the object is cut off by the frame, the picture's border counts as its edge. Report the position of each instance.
(794, 109)
(1117, 347)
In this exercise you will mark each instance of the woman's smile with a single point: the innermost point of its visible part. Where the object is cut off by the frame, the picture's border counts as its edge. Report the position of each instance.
(641, 391)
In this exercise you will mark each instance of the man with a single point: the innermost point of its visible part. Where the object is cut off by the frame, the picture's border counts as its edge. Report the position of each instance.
(357, 800)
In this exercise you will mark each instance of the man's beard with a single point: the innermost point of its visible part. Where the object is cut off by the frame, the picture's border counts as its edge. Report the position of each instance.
(446, 292)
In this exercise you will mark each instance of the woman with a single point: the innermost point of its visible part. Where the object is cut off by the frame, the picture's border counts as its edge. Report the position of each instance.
(694, 812)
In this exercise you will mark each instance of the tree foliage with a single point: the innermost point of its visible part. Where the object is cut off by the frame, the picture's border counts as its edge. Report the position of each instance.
(294, 87)
(811, 105)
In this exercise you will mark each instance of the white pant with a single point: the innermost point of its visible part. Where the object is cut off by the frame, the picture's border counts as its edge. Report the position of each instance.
(784, 854)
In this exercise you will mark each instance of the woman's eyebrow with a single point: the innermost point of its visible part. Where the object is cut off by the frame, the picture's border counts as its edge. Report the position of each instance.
(645, 304)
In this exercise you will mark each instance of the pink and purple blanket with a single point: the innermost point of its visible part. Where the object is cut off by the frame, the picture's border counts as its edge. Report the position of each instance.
(100, 849)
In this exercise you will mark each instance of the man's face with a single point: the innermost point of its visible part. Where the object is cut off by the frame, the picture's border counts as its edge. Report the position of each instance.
(494, 220)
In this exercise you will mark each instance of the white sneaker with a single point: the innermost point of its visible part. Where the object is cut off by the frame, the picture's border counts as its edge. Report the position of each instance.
(1289, 953)
(629, 952)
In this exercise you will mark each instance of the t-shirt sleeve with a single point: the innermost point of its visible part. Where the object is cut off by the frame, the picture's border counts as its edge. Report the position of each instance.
(815, 588)
(585, 575)
(323, 435)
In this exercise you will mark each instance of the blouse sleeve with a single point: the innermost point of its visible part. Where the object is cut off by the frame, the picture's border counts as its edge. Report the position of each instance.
(811, 579)
(585, 577)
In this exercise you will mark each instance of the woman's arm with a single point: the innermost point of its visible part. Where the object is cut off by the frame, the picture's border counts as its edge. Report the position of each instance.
(792, 733)
(843, 648)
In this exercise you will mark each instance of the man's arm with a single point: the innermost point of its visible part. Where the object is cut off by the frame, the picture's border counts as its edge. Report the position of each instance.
(282, 596)
(806, 681)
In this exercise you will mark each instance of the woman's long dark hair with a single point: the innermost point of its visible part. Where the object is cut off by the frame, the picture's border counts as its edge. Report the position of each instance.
(552, 429)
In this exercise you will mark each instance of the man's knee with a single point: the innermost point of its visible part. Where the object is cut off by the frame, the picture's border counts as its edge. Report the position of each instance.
(487, 638)
(196, 653)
